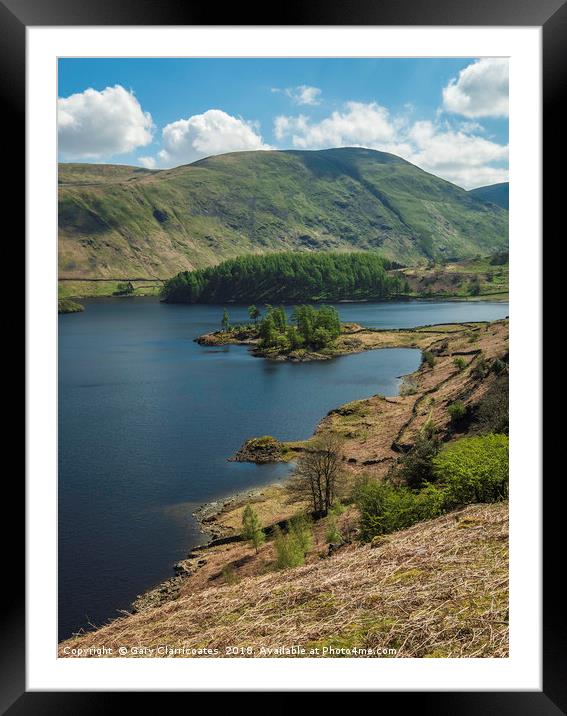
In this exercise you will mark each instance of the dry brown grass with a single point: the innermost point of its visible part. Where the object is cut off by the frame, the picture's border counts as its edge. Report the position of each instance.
(377, 424)
(438, 589)
(272, 505)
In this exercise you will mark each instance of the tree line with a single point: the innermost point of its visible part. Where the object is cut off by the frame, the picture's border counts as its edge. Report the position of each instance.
(287, 277)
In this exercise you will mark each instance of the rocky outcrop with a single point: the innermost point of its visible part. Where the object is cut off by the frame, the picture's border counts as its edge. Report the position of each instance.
(261, 450)
(241, 336)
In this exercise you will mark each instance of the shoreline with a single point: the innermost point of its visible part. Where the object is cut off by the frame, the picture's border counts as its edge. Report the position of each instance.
(496, 297)
(218, 532)
(208, 513)
(354, 338)
(205, 516)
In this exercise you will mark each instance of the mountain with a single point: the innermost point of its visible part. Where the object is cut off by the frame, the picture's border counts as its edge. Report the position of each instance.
(128, 222)
(495, 194)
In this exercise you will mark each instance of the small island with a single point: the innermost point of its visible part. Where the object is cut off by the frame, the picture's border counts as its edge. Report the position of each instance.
(312, 333)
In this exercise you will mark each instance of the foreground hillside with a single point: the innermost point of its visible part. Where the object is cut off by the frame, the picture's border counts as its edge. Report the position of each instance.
(436, 588)
(128, 223)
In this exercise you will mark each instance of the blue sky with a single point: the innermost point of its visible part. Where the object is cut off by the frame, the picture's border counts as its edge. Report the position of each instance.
(448, 116)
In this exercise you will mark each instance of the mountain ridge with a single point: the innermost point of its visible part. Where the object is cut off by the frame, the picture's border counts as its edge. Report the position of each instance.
(120, 220)
(494, 193)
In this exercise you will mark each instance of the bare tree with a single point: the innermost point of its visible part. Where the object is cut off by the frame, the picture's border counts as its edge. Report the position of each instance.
(319, 473)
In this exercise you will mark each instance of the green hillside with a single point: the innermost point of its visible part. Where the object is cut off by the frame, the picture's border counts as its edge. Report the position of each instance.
(495, 194)
(121, 222)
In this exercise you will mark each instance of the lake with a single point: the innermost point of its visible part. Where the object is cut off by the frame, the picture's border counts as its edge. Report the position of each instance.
(148, 418)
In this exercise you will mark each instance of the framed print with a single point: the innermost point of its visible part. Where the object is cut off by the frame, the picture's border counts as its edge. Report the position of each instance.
(283, 431)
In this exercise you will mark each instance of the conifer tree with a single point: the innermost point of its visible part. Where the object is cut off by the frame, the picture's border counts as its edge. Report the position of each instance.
(254, 313)
(225, 323)
(252, 529)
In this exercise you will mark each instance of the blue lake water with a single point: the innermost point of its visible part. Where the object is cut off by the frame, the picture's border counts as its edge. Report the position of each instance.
(148, 418)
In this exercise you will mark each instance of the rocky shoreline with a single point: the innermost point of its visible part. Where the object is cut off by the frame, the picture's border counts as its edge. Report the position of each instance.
(220, 338)
(259, 450)
(268, 449)
(207, 518)
(354, 338)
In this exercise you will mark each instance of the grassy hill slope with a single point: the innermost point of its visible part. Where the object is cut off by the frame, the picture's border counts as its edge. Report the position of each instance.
(495, 194)
(479, 277)
(127, 222)
(437, 589)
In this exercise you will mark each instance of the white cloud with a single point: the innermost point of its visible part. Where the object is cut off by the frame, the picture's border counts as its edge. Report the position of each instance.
(213, 132)
(481, 90)
(458, 155)
(93, 124)
(471, 126)
(302, 94)
(359, 124)
(148, 162)
(463, 158)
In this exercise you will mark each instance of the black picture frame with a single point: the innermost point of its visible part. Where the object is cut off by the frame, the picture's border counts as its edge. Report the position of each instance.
(551, 16)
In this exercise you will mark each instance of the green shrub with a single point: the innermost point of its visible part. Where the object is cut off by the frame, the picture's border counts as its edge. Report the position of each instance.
(474, 469)
(263, 440)
(480, 369)
(457, 411)
(474, 288)
(386, 508)
(492, 411)
(301, 530)
(124, 289)
(415, 468)
(499, 258)
(429, 358)
(337, 509)
(469, 470)
(288, 552)
(460, 362)
(321, 337)
(333, 535)
(499, 367)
